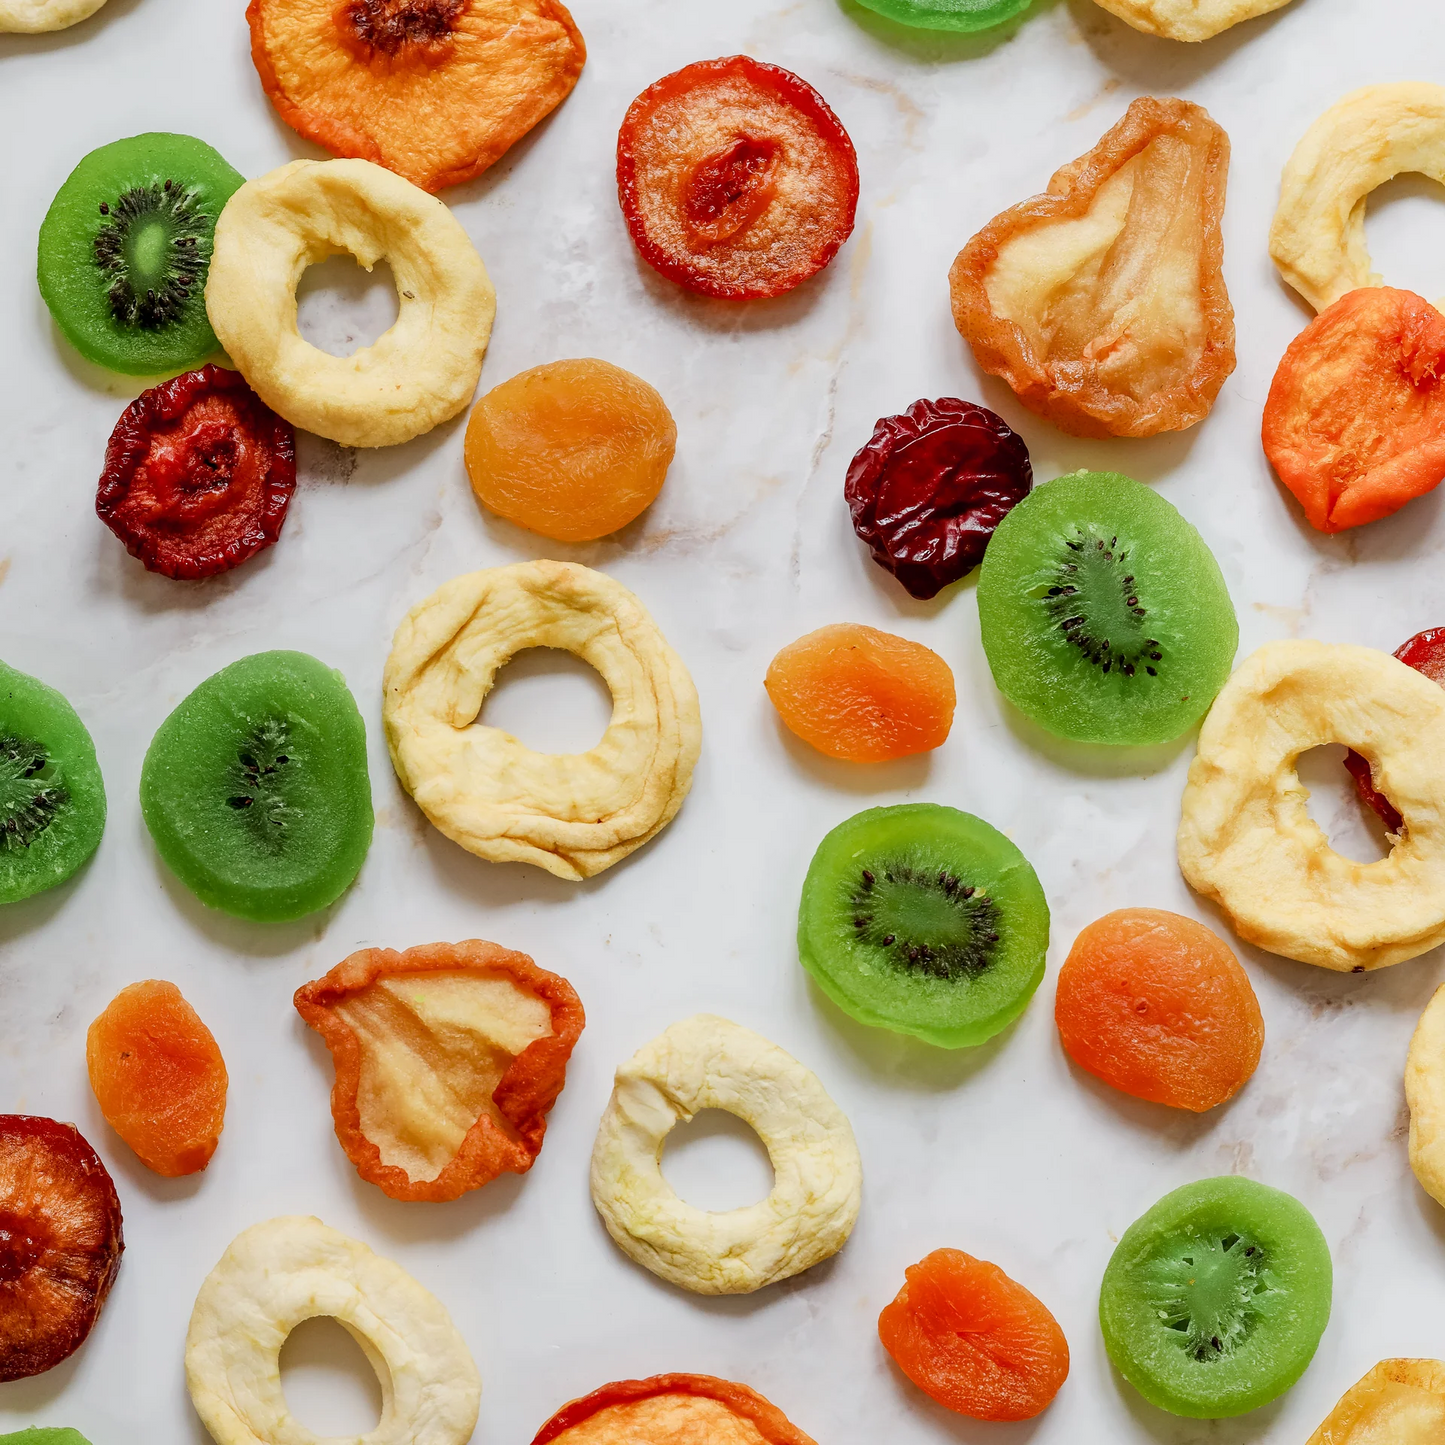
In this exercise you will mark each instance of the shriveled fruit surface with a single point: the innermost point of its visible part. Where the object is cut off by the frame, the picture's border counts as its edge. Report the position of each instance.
(159, 1077)
(863, 695)
(1102, 302)
(1190, 20)
(1158, 1006)
(573, 450)
(435, 90)
(974, 1339)
(1400, 1402)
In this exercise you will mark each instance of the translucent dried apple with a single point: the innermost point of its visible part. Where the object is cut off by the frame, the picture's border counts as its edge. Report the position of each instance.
(1102, 303)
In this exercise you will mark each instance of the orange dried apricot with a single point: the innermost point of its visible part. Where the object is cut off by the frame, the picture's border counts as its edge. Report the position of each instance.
(573, 450)
(159, 1077)
(435, 90)
(1158, 1006)
(975, 1340)
(862, 695)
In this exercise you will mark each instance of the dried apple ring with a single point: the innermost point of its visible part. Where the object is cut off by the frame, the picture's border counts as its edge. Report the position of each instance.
(1370, 137)
(736, 179)
(1102, 302)
(1246, 838)
(422, 372)
(1190, 20)
(448, 1058)
(37, 17)
(435, 90)
(1400, 1402)
(572, 815)
(1425, 1094)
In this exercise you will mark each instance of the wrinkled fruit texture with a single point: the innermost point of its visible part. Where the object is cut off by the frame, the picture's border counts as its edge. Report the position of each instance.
(435, 90)
(159, 1077)
(198, 475)
(1188, 20)
(1355, 421)
(736, 179)
(976, 1341)
(862, 695)
(1158, 1006)
(60, 1243)
(963, 15)
(1102, 303)
(448, 1058)
(574, 450)
(1400, 1402)
(671, 1410)
(930, 487)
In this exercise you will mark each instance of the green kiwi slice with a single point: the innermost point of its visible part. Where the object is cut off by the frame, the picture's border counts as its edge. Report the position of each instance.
(1105, 617)
(125, 248)
(52, 799)
(924, 920)
(256, 791)
(1215, 1300)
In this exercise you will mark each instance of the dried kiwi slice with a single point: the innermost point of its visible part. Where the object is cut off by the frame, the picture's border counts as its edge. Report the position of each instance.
(1214, 1301)
(256, 791)
(125, 248)
(925, 920)
(1105, 618)
(52, 799)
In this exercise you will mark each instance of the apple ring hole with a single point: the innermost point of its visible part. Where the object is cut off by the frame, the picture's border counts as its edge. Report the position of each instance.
(550, 700)
(1353, 830)
(1405, 233)
(329, 1385)
(341, 308)
(717, 1161)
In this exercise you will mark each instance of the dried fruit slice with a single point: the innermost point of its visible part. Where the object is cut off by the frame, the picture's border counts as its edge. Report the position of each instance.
(862, 695)
(736, 179)
(198, 475)
(573, 450)
(1188, 20)
(964, 15)
(448, 1058)
(44, 1435)
(60, 1243)
(159, 1077)
(929, 489)
(1400, 1402)
(975, 1340)
(1157, 1005)
(671, 1410)
(1102, 303)
(435, 90)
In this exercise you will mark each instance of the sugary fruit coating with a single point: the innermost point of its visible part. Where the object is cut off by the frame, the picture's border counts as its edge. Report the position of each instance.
(159, 1077)
(435, 90)
(671, 1410)
(928, 491)
(44, 1435)
(60, 1243)
(1158, 1006)
(52, 799)
(573, 450)
(862, 695)
(198, 475)
(1215, 1300)
(965, 15)
(925, 920)
(736, 179)
(255, 789)
(975, 1340)
(1104, 616)
(1400, 1402)
(125, 249)
(448, 1058)
(1102, 302)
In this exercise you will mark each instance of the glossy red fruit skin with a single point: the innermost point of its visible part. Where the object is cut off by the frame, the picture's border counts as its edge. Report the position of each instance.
(931, 487)
(60, 1242)
(198, 475)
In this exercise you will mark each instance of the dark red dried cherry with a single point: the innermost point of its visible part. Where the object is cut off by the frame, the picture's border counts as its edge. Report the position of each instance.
(198, 475)
(931, 487)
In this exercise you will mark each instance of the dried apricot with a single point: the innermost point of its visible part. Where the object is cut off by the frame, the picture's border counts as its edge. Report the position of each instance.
(976, 1341)
(1158, 1006)
(573, 450)
(159, 1077)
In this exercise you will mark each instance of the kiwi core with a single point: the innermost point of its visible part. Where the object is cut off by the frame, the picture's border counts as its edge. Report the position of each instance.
(1206, 1289)
(154, 247)
(28, 802)
(258, 784)
(925, 919)
(1094, 603)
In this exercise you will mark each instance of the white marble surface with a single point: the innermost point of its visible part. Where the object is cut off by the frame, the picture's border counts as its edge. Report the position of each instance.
(1005, 1151)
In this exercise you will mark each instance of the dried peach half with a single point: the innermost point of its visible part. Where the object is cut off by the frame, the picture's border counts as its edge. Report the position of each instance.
(1400, 1402)
(448, 1058)
(435, 90)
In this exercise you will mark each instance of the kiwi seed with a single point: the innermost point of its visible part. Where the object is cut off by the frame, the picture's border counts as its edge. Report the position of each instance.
(257, 780)
(1097, 607)
(155, 246)
(27, 806)
(960, 923)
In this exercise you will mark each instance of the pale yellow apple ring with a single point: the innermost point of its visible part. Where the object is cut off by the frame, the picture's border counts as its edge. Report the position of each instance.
(422, 371)
(1425, 1094)
(1190, 20)
(37, 17)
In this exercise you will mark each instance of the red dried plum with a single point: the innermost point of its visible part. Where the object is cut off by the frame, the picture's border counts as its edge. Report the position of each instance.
(931, 486)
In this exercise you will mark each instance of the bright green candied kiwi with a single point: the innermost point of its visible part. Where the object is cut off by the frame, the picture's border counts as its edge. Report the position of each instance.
(1105, 618)
(44, 1435)
(1214, 1302)
(52, 799)
(949, 14)
(125, 248)
(924, 920)
(256, 791)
